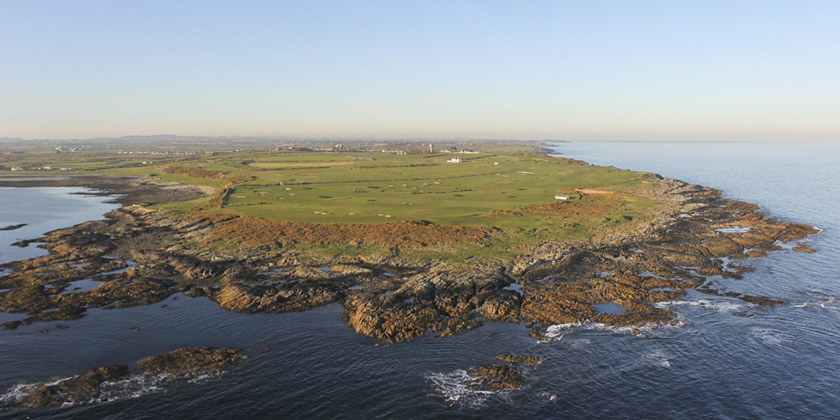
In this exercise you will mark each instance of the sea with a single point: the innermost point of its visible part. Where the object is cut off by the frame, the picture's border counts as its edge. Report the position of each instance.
(725, 361)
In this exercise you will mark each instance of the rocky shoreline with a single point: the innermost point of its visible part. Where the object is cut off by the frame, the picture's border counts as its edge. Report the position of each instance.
(140, 257)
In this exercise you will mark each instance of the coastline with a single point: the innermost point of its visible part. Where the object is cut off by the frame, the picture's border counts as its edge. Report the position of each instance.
(611, 279)
(626, 281)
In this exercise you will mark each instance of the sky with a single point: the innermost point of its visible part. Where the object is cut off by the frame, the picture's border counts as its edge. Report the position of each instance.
(584, 69)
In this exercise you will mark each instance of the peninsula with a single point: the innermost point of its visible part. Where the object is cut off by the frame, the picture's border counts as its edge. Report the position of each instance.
(410, 239)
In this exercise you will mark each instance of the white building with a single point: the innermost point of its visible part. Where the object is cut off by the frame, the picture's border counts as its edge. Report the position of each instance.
(561, 197)
(456, 159)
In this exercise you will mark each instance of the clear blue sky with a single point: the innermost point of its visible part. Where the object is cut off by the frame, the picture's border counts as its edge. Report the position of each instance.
(536, 69)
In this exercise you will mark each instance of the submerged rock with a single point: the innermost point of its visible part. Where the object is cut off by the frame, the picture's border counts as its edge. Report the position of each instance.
(496, 378)
(78, 388)
(190, 360)
(91, 384)
(519, 358)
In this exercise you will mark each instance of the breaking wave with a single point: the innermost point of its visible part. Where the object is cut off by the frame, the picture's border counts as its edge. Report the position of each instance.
(721, 306)
(821, 301)
(770, 337)
(655, 329)
(656, 358)
(454, 390)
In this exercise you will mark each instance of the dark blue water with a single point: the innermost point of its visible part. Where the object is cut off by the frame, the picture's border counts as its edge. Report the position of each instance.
(779, 363)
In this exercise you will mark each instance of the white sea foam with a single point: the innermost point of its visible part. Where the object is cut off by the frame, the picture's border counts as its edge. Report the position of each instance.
(558, 331)
(577, 343)
(454, 389)
(656, 358)
(16, 394)
(770, 336)
(821, 301)
(135, 386)
(722, 306)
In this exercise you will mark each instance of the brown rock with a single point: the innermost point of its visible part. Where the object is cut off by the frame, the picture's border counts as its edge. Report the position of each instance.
(803, 248)
(190, 360)
(496, 378)
(79, 388)
(519, 358)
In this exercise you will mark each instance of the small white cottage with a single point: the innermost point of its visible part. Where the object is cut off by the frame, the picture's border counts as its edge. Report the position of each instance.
(561, 197)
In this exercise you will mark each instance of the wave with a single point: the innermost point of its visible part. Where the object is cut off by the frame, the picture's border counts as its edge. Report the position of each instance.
(720, 306)
(822, 301)
(656, 358)
(654, 329)
(455, 391)
(770, 337)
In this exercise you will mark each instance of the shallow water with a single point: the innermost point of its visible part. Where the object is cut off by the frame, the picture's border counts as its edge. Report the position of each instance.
(611, 308)
(728, 360)
(44, 209)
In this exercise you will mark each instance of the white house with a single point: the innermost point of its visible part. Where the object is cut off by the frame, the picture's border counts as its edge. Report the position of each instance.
(561, 197)
(456, 159)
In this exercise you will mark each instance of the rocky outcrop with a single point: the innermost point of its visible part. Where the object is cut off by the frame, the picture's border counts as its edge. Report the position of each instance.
(190, 360)
(443, 300)
(286, 297)
(90, 385)
(78, 388)
(519, 358)
(496, 378)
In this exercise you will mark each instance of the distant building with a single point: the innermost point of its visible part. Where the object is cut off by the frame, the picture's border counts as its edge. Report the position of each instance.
(561, 197)
(456, 159)
(17, 168)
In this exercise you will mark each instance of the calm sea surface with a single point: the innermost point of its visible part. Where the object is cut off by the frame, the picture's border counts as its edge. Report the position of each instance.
(781, 363)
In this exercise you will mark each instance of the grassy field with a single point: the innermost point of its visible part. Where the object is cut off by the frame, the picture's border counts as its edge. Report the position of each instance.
(377, 187)
(513, 191)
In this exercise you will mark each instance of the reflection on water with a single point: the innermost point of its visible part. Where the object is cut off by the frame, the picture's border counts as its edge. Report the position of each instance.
(43, 209)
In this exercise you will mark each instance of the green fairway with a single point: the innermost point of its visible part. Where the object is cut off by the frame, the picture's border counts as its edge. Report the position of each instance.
(484, 189)
(514, 192)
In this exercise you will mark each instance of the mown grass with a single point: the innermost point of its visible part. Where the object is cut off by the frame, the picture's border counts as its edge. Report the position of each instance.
(486, 189)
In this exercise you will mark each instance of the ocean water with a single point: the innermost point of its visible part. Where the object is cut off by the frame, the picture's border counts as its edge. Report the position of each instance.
(773, 363)
(43, 209)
